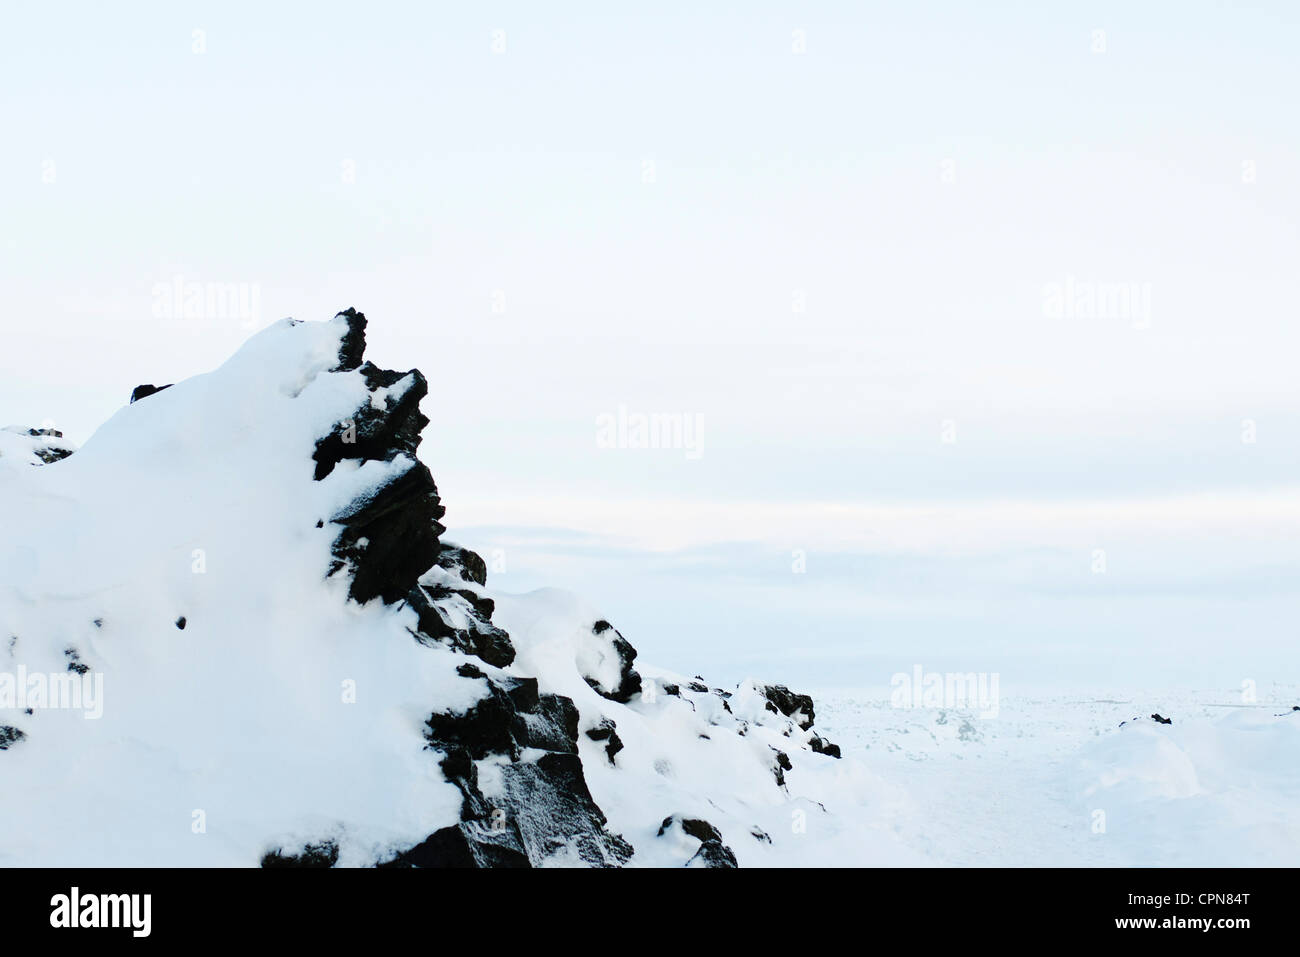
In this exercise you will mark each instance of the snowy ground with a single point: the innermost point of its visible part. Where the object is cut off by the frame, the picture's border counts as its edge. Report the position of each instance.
(1219, 786)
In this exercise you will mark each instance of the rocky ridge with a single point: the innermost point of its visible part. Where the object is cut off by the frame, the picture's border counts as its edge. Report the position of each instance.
(515, 755)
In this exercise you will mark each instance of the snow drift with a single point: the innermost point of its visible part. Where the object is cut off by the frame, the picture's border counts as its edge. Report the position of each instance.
(234, 634)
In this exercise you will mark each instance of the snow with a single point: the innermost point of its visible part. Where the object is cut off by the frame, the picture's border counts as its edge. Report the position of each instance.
(283, 714)
(1056, 781)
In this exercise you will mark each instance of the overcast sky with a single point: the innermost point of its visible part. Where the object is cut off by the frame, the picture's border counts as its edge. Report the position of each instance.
(954, 295)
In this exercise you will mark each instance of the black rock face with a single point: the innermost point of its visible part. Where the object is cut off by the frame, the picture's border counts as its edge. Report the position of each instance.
(9, 736)
(545, 808)
(390, 538)
(353, 347)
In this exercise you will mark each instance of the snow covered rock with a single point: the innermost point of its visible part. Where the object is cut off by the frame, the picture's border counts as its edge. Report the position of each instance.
(146, 390)
(605, 658)
(711, 851)
(19, 446)
(253, 646)
(784, 701)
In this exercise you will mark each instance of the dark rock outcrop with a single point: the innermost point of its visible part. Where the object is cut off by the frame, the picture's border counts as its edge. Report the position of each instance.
(323, 854)
(9, 736)
(75, 664)
(782, 765)
(146, 390)
(821, 746)
(607, 731)
(792, 705)
(461, 619)
(1158, 719)
(531, 806)
(389, 538)
(468, 844)
(389, 544)
(712, 851)
(461, 561)
(713, 854)
(543, 809)
(697, 828)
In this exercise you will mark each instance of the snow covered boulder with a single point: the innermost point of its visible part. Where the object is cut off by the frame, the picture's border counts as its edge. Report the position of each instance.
(605, 659)
(709, 849)
(782, 700)
(19, 446)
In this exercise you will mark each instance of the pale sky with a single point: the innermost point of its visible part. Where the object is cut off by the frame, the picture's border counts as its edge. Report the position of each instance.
(829, 232)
